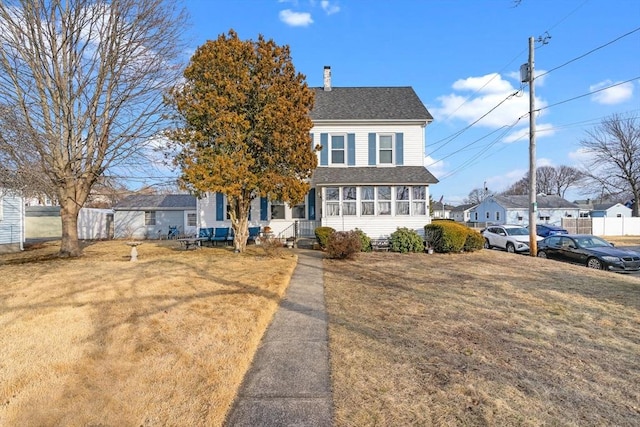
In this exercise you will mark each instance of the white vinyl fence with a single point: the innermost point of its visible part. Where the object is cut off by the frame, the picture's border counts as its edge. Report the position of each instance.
(604, 226)
(623, 226)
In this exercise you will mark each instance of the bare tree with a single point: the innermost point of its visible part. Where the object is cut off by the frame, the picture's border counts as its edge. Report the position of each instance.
(566, 177)
(477, 195)
(549, 180)
(614, 147)
(86, 81)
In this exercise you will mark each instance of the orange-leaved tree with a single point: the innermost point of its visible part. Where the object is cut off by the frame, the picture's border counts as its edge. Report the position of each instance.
(243, 126)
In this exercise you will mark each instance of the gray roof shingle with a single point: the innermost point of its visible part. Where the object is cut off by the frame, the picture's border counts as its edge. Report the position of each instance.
(544, 202)
(369, 103)
(157, 202)
(399, 175)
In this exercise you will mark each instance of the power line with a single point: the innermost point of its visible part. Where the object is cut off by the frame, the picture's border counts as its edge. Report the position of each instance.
(460, 132)
(588, 93)
(590, 52)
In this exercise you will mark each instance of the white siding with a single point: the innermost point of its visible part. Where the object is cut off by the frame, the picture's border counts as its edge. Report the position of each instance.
(413, 140)
(129, 224)
(11, 222)
(92, 223)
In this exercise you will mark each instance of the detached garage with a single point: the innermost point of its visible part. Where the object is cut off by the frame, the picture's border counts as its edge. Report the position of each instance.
(151, 216)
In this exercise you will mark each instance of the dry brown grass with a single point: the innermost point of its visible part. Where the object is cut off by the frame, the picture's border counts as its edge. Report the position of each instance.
(482, 339)
(103, 341)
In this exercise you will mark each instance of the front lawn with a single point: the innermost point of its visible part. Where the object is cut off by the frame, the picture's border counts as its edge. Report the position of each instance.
(103, 341)
(482, 339)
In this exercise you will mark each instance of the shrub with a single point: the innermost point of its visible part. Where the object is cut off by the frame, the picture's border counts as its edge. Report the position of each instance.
(474, 241)
(404, 240)
(343, 244)
(272, 246)
(322, 235)
(447, 236)
(364, 240)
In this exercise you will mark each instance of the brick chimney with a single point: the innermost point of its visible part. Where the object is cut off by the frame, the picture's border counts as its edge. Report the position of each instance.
(327, 78)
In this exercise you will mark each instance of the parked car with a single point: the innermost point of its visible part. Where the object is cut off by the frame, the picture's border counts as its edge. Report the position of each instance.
(546, 230)
(589, 250)
(512, 238)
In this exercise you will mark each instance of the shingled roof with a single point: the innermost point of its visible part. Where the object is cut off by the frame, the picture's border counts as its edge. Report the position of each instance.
(157, 202)
(369, 103)
(543, 202)
(400, 175)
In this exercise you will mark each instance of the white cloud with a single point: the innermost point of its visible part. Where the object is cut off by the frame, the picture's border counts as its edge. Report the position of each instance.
(611, 96)
(474, 97)
(500, 183)
(295, 19)
(436, 167)
(329, 8)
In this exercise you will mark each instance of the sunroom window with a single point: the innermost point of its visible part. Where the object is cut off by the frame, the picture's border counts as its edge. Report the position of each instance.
(402, 200)
(349, 200)
(332, 195)
(384, 200)
(367, 204)
(419, 200)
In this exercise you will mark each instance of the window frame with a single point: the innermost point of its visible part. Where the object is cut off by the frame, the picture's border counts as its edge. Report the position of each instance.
(343, 149)
(379, 149)
(150, 219)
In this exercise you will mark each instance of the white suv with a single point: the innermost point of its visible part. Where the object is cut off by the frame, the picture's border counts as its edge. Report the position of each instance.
(512, 238)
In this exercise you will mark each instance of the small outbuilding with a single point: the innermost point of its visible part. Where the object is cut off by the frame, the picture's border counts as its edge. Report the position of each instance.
(11, 221)
(153, 216)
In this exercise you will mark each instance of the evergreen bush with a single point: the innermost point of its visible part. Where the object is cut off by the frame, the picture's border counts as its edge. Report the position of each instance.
(364, 240)
(404, 240)
(322, 235)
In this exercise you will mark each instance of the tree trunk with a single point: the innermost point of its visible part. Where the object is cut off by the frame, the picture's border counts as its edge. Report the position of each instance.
(240, 222)
(72, 196)
(69, 247)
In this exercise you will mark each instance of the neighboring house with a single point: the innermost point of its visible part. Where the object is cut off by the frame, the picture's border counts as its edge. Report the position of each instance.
(610, 210)
(441, 210)
(370, 172)
(150, 216)
(515, 210)
(462, 213)
(11, 222)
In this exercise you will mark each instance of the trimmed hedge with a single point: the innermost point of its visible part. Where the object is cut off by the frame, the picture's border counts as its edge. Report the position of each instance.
(322, 235)
(449, 236)
(404, 240)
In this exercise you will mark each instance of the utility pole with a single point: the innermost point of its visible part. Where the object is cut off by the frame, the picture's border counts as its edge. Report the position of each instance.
(533, 205)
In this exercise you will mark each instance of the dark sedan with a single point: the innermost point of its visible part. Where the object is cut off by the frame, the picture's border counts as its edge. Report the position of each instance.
(588, 250)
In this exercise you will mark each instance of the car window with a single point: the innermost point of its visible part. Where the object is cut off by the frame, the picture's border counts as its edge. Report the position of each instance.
(566, 242)
(553, 241)
(520, 231)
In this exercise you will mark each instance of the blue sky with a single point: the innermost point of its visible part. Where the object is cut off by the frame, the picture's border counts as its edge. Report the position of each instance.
(463, 59)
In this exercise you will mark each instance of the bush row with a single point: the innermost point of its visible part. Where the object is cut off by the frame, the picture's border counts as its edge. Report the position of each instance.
(441, 236)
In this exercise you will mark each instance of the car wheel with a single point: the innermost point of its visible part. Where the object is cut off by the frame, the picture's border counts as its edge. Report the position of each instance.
(487, 245)
(595, 263)
(511, 248)
(542, 254)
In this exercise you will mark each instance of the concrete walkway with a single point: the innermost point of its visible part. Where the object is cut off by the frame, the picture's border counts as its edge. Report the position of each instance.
(289, 381)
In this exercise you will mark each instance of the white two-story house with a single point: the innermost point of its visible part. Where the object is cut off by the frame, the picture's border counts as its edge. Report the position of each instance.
(370, 172)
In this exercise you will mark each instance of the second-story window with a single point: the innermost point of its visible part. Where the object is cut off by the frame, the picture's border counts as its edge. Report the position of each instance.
(337, 149)
(385, 150)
